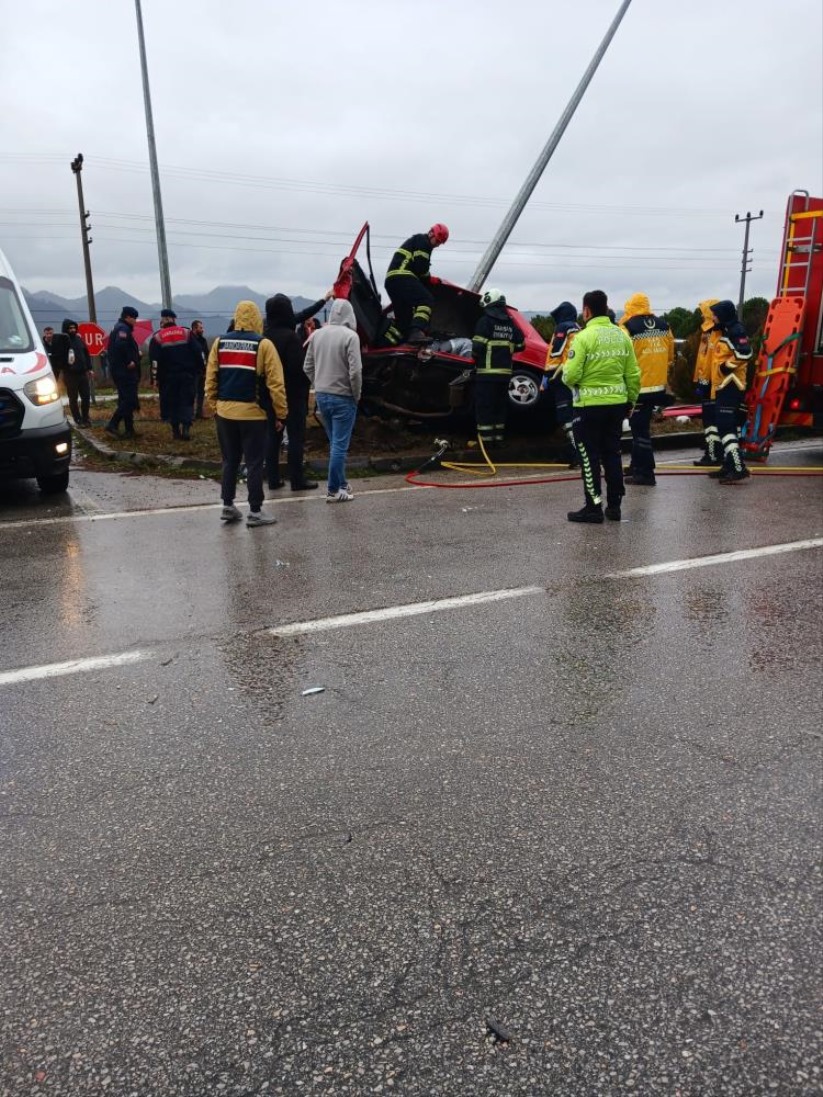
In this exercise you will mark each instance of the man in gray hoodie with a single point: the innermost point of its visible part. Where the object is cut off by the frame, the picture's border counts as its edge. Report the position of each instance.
(334, 366)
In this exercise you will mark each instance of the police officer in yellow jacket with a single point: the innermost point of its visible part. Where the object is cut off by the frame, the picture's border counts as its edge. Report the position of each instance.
(709, 334)
(729, 364)
(654, 349)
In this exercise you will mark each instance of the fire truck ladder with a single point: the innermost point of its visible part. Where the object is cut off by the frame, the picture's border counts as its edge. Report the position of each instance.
(777, 360)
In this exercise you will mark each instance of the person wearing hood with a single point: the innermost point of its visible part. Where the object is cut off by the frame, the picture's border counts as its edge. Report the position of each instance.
(565, 329)
(176, 360)
(496, 338)
(333, 364)
(74, 364)
(199, 335)
(408, 282)
(729, 364)
(244, 377)
(124, 367)
(709, 334)
(281, 322)
(654, 350)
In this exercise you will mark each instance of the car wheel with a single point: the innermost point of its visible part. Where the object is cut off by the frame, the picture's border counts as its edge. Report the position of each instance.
(54, 485)
(524, 390)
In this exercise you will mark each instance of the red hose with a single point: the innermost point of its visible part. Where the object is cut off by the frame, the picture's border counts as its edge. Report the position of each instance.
(410, 479)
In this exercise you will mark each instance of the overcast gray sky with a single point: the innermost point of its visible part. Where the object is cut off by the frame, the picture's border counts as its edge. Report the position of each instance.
(281, 127)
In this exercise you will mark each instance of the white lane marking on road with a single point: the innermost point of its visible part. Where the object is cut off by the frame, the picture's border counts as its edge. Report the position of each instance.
(22, 523)
(75, 666)
(411, 609)
(718, 558)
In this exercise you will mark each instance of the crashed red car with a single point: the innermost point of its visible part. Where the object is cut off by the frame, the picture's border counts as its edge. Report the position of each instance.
(429, 383)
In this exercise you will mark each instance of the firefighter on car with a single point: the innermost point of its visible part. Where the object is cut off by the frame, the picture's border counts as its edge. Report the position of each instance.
(407, 283)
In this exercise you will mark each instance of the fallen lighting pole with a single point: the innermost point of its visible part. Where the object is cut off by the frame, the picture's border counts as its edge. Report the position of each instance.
(496, 246)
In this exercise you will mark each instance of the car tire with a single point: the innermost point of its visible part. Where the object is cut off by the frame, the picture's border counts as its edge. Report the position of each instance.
(524, 390)
(54, 485)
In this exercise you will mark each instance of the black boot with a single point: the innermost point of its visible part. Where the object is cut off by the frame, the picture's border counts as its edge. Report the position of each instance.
(417, 338)
(706, 461)
(185, 432)
(589, 513)
(175, 431)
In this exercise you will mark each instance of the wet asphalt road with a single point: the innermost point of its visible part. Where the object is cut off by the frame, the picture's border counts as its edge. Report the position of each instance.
(591, 813)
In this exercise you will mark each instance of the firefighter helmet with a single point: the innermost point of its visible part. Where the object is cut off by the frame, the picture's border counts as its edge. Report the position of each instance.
(439, 233)
(492, 297)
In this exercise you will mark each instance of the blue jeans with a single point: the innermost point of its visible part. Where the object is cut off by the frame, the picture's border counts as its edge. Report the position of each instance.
(339, 414)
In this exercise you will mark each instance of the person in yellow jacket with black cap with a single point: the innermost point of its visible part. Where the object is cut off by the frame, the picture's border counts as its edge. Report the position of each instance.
(244, 376)
(654, 350)
(729, 365)
(709, 334)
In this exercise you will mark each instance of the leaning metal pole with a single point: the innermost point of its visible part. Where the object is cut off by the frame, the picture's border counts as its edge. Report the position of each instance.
(496, 246)
(162, 250)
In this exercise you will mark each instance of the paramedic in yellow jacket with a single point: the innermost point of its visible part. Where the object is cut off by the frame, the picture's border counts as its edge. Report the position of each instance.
(709, 334)
(729, 365)
(654, 349)
(244, 377)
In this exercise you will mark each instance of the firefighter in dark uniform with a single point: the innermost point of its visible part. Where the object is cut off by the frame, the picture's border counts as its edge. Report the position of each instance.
(730, 360)
(124, 367)
(565, 329)
(176, 360)
(407, 283)
(496, 338)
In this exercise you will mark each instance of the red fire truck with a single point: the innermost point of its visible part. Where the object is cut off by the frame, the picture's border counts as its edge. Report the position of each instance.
(787, 389)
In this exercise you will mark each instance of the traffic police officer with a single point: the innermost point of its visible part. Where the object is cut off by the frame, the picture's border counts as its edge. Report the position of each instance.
(124, 367)
(729, 363)
(407, 283)
(565, 329)
(176, 360)
(654, 350)
(602, 372)
(496, 339)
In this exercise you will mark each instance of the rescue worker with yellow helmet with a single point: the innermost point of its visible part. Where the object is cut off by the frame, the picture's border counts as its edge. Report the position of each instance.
(729, 364)
(709, 334)
(654, 350)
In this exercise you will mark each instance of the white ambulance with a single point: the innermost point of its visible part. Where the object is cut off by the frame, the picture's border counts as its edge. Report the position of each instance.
(35, 437)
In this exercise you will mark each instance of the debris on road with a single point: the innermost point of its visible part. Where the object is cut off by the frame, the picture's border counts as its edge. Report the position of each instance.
(312, 690)
(499, 1032)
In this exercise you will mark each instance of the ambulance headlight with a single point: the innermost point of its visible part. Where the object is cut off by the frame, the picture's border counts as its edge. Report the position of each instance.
(42, 391)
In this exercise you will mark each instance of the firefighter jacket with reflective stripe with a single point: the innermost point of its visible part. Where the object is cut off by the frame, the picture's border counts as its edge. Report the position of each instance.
(653, 348)
(412, 259)
(496, 339)
(730, 357)
(561, 343)
(601, 367)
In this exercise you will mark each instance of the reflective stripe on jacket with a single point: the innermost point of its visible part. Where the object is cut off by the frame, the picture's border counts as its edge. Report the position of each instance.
(412, 258)
(496, 338)
(653, 348)
(601, 367)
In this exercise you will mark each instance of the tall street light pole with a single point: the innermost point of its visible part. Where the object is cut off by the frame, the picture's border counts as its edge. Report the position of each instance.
(85, 231)
(496, 246)
(162, 250)
(744, 266)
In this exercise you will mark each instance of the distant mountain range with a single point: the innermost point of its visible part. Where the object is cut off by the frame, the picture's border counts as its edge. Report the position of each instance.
(215, 308)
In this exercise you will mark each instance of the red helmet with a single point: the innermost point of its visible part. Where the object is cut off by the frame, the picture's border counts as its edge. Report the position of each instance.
(439, 232)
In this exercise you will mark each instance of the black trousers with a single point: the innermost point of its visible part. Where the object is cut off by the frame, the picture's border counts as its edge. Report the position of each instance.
(128, 401)
(727, 406)
(412, 302)
(491, 403)
(77, 386)
(640, 422)
(177, 391)
(200, 396)
(597, 433)
(298, 402)
(242, 440)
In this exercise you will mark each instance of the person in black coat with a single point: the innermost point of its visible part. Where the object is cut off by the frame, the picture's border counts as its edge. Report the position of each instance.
(124, 367)
(177, 358)
(281, 321)
(200, 338)
(72, 361)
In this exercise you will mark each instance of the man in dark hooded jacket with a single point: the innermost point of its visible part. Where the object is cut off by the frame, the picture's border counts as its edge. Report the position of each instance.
(71, 360)
(281, 321)
(565, 329)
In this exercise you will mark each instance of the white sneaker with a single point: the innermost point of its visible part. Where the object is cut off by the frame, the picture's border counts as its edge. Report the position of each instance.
(231, 514)
(258, 518)
(344, 495)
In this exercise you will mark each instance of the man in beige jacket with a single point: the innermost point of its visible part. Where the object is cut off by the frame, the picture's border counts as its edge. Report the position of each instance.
(244, 376)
